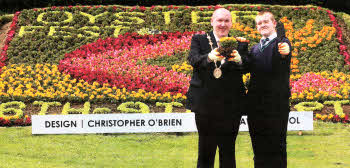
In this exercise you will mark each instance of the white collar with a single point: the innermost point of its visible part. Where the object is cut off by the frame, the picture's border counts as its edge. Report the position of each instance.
(217, 39)
(271, 37)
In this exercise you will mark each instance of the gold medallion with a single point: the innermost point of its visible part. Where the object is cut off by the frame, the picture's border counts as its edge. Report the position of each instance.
(217, 73)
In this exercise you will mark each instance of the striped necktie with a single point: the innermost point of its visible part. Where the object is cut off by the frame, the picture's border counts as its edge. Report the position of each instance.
(264, 42)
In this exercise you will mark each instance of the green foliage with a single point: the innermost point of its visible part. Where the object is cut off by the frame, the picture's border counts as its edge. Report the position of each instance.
(308, 106)
(5, 19)
(60, 31)
(169, 106)
(101, 111)
(129, 107)
(68, 110)
(45, 106)
(324, 57)
(346, 18)
(7, 108)
(337, 105)
(168, 61)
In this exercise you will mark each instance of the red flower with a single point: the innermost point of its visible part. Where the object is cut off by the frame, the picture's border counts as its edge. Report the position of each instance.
(337, 118)
(7, 122)
(142, 8)
(28, 121)
(123, 70)
(18, 122)
(217, 7)
(9, 38)
(342, 47)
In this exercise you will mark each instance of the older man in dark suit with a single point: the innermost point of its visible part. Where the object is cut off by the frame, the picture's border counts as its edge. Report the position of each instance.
(215, 93)
(268, 94)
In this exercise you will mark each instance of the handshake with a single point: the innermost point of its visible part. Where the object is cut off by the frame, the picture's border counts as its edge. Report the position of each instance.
(214, 55)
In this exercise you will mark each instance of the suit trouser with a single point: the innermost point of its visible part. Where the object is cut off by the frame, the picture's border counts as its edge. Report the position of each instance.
(269, 142)
(268, 114)
(215, 133)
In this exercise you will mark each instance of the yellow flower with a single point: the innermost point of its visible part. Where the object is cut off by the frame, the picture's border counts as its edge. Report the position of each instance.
(301, 96)
(91, 97)
(342, 115)
(330, 116)
(318, 116)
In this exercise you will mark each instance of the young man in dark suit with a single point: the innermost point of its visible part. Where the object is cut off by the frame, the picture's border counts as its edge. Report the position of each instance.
(268, 94)
(215, 92)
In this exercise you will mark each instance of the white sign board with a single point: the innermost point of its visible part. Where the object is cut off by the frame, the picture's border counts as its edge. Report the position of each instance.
(297, 121)
(139, 123)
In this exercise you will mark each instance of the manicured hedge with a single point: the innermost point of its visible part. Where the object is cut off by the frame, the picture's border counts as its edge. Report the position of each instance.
(5, 19)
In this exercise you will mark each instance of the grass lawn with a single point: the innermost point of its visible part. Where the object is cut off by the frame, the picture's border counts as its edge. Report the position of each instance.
(328, 146)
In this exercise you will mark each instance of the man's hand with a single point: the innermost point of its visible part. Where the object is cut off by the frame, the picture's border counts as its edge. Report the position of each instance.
(214, 55)
(242, 40)
(235, 57)
(283, 48)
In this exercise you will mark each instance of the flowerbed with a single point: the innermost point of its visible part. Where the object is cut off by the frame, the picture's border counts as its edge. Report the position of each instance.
(45, 82)
(320, 86)
(46, 35)
(121, 62)
(116, 54)
(322, 111)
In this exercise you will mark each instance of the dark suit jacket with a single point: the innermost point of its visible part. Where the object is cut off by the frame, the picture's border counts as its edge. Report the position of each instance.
(268, 89)
(208, 95)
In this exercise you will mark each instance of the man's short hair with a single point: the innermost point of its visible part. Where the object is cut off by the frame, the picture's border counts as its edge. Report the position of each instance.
(267, 12)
